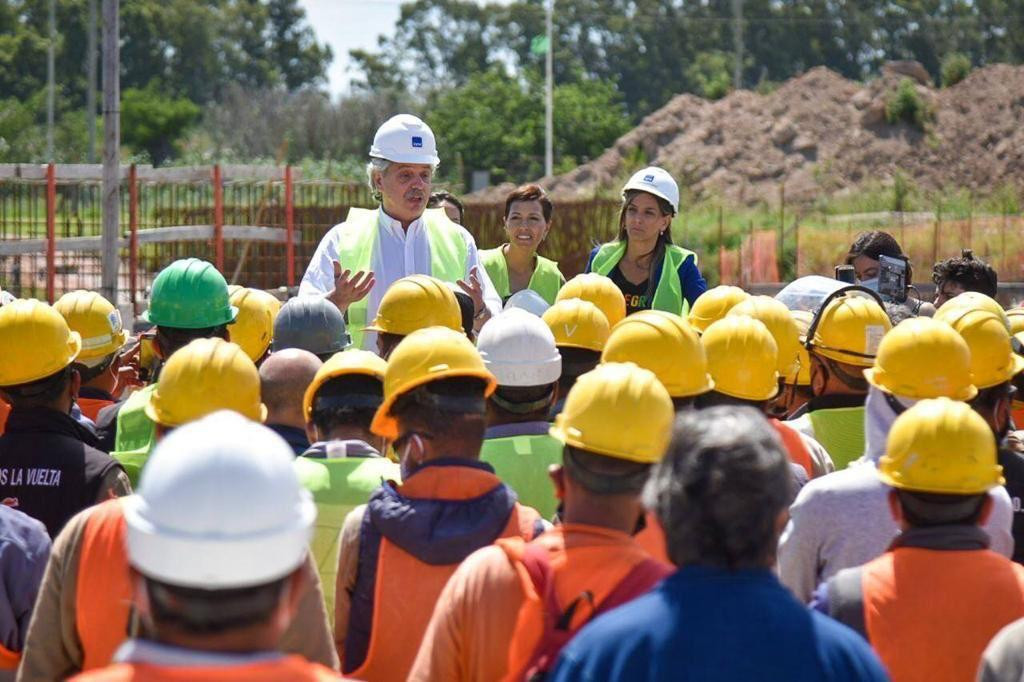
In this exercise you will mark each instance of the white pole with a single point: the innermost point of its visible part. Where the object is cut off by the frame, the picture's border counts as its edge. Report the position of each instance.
(90, 77)
(111, 147)
(50, 78)
(549, 105)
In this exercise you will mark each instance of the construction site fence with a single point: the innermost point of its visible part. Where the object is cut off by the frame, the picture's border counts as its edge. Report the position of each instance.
(261, 225)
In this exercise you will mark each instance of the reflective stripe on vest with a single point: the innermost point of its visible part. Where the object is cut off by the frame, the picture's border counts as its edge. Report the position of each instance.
(521, 462)
(287, 668)
(103, 592)
(669, 294)
(91, 407)
(795, 446)
(358, 237)
(338, 486)
(929, 614)
(840, 431)
(546, 279)
(136, 433)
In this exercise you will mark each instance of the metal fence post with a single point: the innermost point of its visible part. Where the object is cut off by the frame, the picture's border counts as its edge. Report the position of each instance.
(51, 232)
(289, 226)
(133, 238)
(218, 219)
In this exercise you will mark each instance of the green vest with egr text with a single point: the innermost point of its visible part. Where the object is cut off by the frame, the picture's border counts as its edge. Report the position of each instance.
(521, 462)
(668, 296)
(358, 237)
(546, 279)
(840, 430)
(136, 434)
(338, 486)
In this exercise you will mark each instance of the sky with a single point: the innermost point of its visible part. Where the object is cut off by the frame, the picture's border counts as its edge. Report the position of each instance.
(346, 25)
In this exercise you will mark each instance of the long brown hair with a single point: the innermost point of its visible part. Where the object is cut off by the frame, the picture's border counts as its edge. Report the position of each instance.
(664, 238)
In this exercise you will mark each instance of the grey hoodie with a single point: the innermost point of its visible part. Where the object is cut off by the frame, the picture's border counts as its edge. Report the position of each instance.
(843, 520)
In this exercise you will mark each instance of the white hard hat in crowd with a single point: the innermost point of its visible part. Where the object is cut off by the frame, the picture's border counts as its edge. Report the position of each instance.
(528, 300)
(219, 506)
(405, 139)
(6, 297)
(519, 349)
(656, 181)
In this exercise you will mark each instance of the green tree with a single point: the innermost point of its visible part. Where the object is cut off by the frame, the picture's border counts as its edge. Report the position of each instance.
(153, 123)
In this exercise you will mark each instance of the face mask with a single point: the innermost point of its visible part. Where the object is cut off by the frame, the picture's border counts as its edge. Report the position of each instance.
(869, 283)
(405, 463)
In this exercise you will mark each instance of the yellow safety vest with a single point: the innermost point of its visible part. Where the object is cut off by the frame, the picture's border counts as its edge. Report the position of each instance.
(668, 296)
(546, 279)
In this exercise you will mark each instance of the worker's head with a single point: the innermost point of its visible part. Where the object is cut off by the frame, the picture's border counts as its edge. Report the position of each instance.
(581, 331)
(253, 329)
(411, 303)
(37, 352)
(402, 163)
(954, 276)
(713, 305)
(98, 322)
(343, 398)
(665, 344)
(527, 217)
(284, 378)
(311, 323)
(218, 534)
(189, 301)
(940, 458)
(743, 361)
(843, 340)
(600, 291)
(650, 199)
(520, 351)
(796, 390)
(615, 425)
(864, 257)
(783, 328)
(453, 208)
(435, 395)
(722, 491)
(204, 377)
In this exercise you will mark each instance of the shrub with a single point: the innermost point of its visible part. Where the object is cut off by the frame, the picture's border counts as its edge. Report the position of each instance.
(907, 106)
(955, 67)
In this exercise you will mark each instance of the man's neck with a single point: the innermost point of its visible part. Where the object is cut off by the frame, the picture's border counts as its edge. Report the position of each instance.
(597, 513)
(353, 433)
(295, 421)
(404, 223)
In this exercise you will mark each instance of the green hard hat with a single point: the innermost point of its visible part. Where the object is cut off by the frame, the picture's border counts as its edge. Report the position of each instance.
(190, 294)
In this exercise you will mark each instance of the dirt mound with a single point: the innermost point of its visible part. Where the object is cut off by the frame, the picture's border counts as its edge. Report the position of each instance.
(820, 133)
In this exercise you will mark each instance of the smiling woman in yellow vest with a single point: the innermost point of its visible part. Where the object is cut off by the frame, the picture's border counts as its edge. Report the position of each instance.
(516, 265)
(652, 272)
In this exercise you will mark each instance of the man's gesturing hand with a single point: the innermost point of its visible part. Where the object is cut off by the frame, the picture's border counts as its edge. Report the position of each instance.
(349, 287)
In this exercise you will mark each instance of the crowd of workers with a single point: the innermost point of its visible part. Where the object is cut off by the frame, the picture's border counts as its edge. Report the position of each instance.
(444, 463)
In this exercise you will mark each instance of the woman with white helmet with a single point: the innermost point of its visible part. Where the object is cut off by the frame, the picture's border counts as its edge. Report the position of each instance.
(651, 271)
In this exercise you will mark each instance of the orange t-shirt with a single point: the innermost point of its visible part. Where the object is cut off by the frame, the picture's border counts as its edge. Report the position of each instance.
(287, 668)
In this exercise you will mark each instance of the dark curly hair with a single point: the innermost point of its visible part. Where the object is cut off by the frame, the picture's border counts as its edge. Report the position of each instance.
(973, 274)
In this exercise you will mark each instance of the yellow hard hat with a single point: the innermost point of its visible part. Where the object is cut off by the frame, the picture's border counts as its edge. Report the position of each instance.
(417, 302)
(663, 343)
(1016, 317)
(340, 364)
(96, 320)
(253, 328)
(714, 304)
(849, 329)
(422, 357)
(992, 358)
(205, 376)
(941, 446)
(776, 316)
(577, 324)
(618, 410)
(803, 319)
(742, 358)
(600, 291)
(975, 300)
(923, 358)
(35, 342)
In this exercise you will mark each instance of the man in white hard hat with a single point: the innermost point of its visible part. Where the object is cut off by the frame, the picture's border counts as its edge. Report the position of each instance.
(359, 259)
(216, 588)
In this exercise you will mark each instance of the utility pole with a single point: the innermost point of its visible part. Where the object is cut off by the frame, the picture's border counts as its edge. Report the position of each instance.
(90, 78)
(737, 37)
(549, 105)
(51, 50)
(111, 147)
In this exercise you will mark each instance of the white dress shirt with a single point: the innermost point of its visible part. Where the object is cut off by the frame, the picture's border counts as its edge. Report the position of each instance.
(397, 253)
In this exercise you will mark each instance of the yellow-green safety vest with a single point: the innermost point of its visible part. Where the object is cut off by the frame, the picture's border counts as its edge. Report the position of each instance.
(840, 430)
(521, 462)
(668, 296)
(358, 236)
(546, 279)
(338, 486)
(136, 434)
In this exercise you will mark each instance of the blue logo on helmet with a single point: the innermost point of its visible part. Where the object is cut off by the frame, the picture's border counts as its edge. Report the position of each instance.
(417, 142)
(648, 178)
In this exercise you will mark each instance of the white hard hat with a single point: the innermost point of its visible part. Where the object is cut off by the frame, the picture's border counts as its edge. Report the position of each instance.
(528, 300)
(518, 348)
(219, 506)
(405, 139)
(656, 181)
(6, 297)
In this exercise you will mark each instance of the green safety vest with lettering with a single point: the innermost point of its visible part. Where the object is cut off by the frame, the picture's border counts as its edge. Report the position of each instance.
(668, 296)
(338, 486)
(546, 279)
(840, 431)
(521, 462)
(358, 236)
(136, 434)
